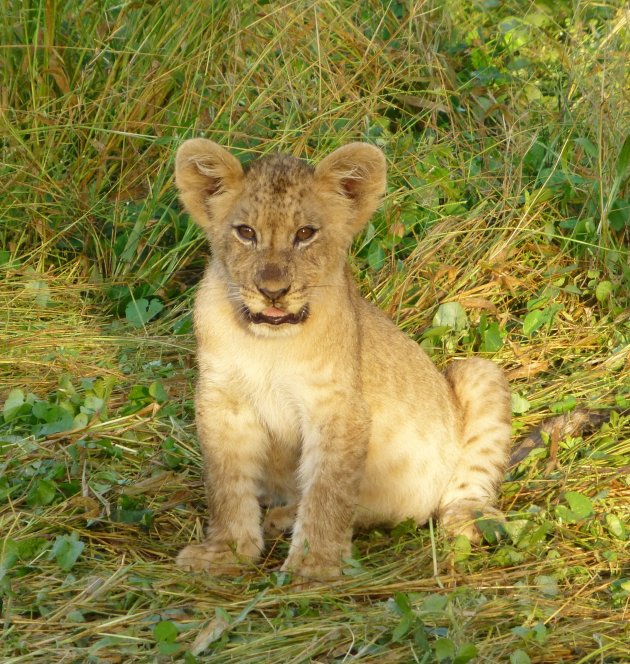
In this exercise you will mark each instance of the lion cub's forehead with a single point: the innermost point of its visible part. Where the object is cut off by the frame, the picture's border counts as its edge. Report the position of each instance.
(278, 175)
(277, 195)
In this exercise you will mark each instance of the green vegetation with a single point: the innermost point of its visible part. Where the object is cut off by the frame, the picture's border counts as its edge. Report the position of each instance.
(504, 233)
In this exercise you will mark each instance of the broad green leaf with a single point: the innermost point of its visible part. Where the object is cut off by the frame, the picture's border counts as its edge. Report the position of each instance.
(490, 529)
(444, 649)
(603, 291)
(66, 551)
(23, 551)
(376, 256)
(12, 405)
(517, 528)
(624, 158)
(521, 631)
(165, 632)
(540, 633)
(492, 339)
(92, 404)
(547, 585)
(183, 325)
(565, 514)
(139, 312)
(80, 421)
(465, 654)
(520, 657)
(619, 214)
(402, 628)
(565, 405)
(66, 386)
(533, 321)
(75, 616)
(169, 649)
(420, 636)
(42, 492)
(580, 505)
(144, 517)
(451, 314)
(401, 600)
(435, 332)
(435, 603)
(461, 548)
(519, 404)
(6, 488)
(138, 392)
(41, 410)
(57, 420)
(157, 391)
(616, 526)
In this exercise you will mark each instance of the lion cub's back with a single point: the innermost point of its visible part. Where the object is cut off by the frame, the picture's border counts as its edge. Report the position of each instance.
(395, 369)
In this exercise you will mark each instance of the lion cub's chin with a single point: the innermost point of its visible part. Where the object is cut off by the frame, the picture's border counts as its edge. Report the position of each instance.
(269, 331)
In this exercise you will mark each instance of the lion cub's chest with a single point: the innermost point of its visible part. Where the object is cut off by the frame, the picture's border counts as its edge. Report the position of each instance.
(277, 389)
(278, 398)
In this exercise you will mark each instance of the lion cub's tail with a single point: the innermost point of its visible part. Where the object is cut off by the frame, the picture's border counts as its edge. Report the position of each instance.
(483, 396)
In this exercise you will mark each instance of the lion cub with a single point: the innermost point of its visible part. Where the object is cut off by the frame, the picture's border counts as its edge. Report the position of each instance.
(308, 397)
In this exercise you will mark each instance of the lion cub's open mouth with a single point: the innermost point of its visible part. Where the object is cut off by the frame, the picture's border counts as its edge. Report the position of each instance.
(275, 316)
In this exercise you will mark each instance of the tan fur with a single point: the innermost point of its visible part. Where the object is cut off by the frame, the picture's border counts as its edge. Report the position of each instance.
(334, 416)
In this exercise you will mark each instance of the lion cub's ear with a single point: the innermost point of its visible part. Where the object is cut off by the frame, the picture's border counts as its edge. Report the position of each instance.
(357, 173)
(204, 171)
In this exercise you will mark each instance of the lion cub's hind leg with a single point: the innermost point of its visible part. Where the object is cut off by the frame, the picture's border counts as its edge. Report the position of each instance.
(279, 520)
(483, 395)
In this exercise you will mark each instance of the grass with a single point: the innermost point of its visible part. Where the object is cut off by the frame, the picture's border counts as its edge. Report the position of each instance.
(504, 233)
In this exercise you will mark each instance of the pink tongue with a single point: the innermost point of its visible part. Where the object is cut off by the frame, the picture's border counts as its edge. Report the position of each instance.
(273, 312)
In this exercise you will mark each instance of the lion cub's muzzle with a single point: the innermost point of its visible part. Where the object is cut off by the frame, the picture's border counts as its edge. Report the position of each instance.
(276, 313)
(275, 316)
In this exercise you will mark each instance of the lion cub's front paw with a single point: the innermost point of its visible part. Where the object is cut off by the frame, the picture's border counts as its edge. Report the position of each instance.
(311, 569)
(215, 558)
(464, 519)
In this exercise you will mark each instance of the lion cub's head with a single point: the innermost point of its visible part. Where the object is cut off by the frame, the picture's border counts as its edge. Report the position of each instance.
(279, 228)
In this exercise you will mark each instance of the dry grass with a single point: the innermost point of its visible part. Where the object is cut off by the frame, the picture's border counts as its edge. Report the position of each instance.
(503, 127)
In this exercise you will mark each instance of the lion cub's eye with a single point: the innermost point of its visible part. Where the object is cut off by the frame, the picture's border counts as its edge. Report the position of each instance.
(246, 232)
(305, 233)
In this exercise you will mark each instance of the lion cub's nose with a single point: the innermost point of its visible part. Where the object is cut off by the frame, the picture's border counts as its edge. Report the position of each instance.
(273, 295)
